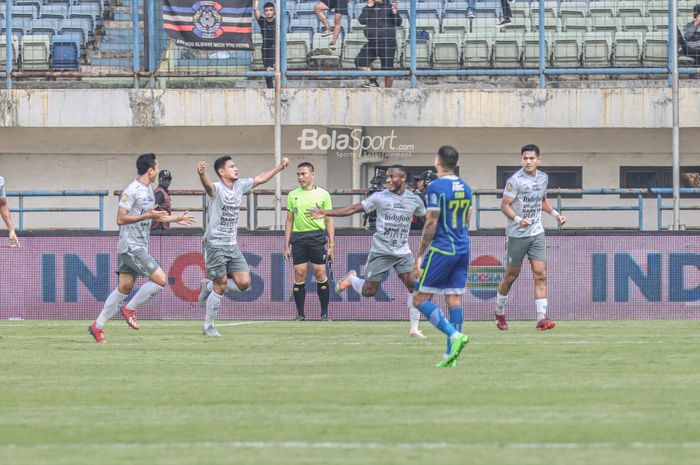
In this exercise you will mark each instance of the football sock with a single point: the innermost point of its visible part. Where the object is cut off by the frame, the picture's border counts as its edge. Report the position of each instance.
(231, 285)
(146, 293)
(299, 291)
(357, 284)
(213, 305)
(111, 307)
(541, 305)
(324, 296)
(433, 313)
(456, 320)
(500, 303)
(413, 313)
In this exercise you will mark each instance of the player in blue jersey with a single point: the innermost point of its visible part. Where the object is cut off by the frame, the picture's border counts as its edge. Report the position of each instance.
(445, 239)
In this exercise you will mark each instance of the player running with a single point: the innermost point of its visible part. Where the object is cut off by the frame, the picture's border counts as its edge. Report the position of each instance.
(524, 198)
(395, 207)
(136, 212)
(446, 240)
(225, 263)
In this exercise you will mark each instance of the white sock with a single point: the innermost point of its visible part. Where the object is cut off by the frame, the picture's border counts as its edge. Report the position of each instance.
(500, 303)
(413, 313)
(213, 305)
(210, 286)
(231, 285)
(357, 283)
(455, 336)
(111, 307)
(146, 293)
(541, 305)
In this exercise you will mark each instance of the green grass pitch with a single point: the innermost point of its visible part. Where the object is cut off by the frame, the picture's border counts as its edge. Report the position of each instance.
(614, 392)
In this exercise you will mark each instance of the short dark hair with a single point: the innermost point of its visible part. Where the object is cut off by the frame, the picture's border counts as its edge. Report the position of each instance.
(448, 156)
(530, 148)
(268, 5)
(145, 162)
(397, 167)
(220, 162)
(306, 164)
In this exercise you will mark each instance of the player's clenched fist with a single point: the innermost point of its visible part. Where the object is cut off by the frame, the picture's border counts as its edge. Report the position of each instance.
(202, 167)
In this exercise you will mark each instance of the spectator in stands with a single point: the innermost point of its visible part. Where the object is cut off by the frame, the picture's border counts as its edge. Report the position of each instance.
(690, 180)
(5, 213)
(471, 9)
(691, 34)
(267, 29)
(506, 13)
(163, 202)
(340, 8)
(380, 20)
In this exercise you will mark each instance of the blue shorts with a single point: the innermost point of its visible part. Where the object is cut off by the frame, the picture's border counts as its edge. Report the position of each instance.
(444, 274)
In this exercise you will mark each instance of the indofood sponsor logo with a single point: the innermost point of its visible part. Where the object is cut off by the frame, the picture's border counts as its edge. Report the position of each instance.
(485, 272)
(346, 144)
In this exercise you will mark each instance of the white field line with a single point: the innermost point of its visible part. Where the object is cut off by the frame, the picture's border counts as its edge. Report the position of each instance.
(364, 445)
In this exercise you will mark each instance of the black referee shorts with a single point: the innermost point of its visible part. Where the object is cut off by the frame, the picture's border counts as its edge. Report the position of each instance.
(309, 247)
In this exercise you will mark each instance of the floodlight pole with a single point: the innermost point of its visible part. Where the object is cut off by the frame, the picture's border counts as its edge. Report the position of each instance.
(673, 58)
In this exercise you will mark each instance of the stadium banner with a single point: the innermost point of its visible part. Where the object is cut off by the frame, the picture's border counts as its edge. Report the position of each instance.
(592, 276)
(211, 25)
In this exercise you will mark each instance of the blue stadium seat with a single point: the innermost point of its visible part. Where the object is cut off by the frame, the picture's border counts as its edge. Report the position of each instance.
(89, 12)
(24, 12)
(76, 26)
(54, 12)
(36, 4)
(47, 26)
(66, 52)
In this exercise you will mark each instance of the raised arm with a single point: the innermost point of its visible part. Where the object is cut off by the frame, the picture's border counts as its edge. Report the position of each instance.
(262, 178)
(206, 184)
(123, 216)
(256, 9)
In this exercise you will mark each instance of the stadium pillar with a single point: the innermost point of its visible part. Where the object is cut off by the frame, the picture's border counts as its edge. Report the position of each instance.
(281, 5)
(673, 68)
(412, 43)
(8, 45)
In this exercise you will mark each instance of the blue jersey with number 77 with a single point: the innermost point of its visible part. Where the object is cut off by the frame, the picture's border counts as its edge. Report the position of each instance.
(453, 198)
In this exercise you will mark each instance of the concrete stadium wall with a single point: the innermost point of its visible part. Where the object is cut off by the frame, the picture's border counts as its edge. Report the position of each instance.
(88, 139)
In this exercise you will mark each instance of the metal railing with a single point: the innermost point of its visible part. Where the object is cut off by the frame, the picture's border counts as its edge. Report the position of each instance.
(157, 58)
(22, 209)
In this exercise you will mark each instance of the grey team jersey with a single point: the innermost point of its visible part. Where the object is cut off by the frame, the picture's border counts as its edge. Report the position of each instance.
(137, 199)
(223, 209)
(2, 188)
(528, 192)
(394, 214)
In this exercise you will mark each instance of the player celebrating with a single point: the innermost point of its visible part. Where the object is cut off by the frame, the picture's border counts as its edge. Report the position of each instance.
(524, 198)
(446, 240)
(395, 207)
(6, 216)
(225, 263)
(134, 217)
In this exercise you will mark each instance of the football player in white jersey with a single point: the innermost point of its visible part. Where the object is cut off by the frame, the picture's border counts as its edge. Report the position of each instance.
(524, 199)
(134, 216)
(226, 266)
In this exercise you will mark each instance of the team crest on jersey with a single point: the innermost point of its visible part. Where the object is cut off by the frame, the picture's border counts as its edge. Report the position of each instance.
(509, 186)
(125, 198)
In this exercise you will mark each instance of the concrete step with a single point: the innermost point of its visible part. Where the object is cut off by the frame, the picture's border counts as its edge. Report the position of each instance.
(112, 62)
(125, 16)
(120, 25)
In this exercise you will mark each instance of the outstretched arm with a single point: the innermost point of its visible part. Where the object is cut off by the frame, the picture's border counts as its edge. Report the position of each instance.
(262, 178)
(206, 184)
(342, 211)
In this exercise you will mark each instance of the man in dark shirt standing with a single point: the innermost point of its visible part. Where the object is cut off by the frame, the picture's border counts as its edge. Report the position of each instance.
(691, 34)
(267, 29)
(162, 195)
(380, 20)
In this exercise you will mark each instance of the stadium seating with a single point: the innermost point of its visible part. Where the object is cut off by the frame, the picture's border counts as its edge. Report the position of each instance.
(447, 50)
(655, 49)
(597, 49)
(566, 50)
(507, 50)
(15, 50)
(477, 49)
(531, 49)
(627, 50)
(65, 52)
(36, 50)
(354, 41)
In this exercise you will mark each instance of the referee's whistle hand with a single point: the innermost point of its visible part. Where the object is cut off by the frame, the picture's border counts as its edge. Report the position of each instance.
(287, 252)
(316, 213)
